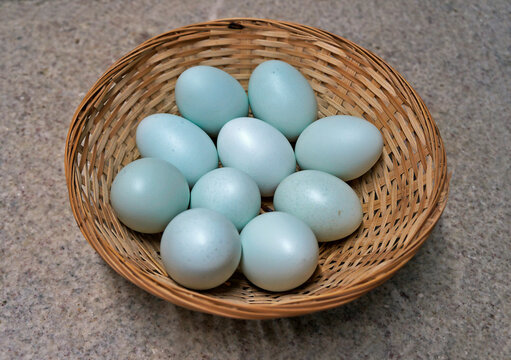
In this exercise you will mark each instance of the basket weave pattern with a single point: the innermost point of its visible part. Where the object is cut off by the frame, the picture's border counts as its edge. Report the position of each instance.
(403, 195)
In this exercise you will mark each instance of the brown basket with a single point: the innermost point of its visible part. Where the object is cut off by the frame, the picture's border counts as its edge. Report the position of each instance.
(403, 195)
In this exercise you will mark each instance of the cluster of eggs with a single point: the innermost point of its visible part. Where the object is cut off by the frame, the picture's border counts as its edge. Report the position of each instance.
(203, 246)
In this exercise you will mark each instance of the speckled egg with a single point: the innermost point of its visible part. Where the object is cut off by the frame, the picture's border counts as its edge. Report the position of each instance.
(327, 204)
(229, 191)
(200, 249)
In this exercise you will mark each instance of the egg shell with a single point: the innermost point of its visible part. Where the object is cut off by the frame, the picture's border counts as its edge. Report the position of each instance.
(147, 193)
(342, 145)
(229, 191)
(279, 253)
(200, 249)
(327, 204)
(258, 149)
(280, 95)
(210, 97)
(178, 141)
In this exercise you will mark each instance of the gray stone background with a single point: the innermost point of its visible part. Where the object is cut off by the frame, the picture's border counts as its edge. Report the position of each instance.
(58, 299)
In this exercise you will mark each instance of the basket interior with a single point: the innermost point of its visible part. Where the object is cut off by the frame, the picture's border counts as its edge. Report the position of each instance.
(396, 193)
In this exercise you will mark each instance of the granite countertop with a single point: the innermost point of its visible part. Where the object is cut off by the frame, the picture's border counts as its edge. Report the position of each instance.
(59, 299)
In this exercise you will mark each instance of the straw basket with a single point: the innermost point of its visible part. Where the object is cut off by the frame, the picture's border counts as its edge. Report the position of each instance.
(403, 195)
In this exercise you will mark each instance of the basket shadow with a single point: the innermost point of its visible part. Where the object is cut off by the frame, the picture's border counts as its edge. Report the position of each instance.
(374, 315)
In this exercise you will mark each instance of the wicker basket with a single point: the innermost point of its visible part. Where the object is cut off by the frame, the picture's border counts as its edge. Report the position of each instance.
(403, 195)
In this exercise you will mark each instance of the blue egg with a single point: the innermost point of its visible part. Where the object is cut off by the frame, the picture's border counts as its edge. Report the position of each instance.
(200, 249)
(147, 193)
(210, 97)
(280, 95)
(279, 253)
(258, 149)
(178, 141)
(344, 146)
(229, 191)
(327, 204)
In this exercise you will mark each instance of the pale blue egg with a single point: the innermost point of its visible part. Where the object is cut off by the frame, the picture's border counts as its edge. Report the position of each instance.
(327, 204)
(229, 191)
(200, 249)
(258, 149)
(178, 141)
(279, 253)
(147, 193)
(210, 97)
(280, 95)
(342, 145)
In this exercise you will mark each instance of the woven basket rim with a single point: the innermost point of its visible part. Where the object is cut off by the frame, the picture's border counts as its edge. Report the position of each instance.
(189, 298)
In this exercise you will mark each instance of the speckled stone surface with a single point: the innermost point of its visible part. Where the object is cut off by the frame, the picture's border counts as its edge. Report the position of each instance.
(58, 299)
